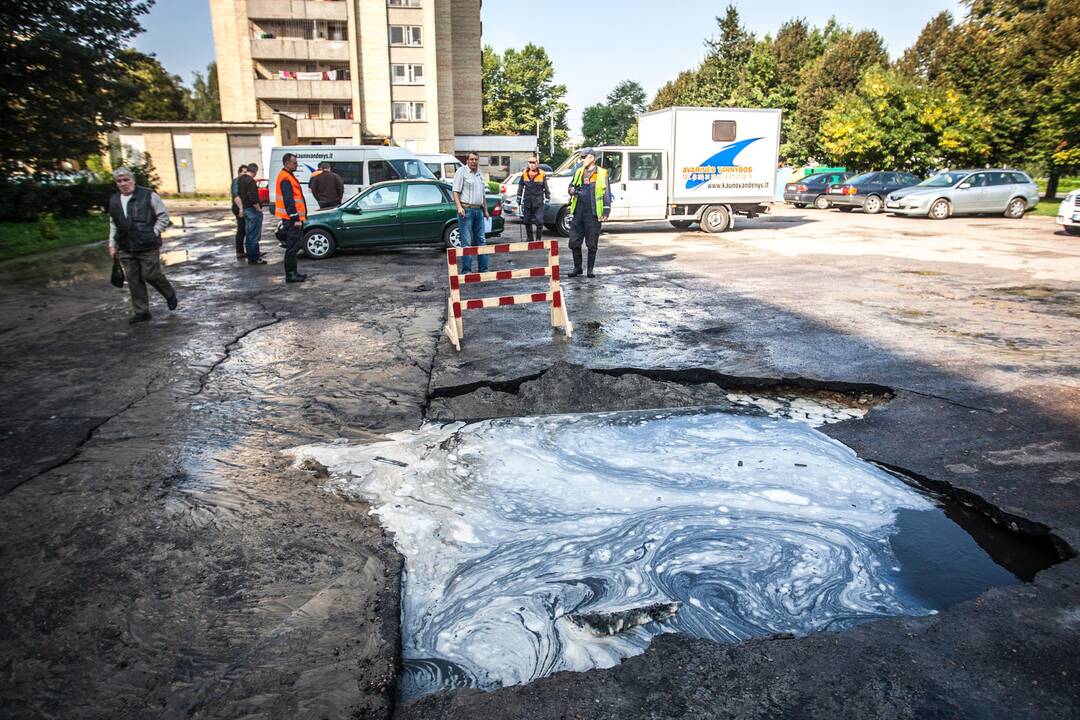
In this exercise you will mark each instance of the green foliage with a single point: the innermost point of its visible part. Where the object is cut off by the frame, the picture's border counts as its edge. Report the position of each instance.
(47, 227)
(609, 122)
(204, 100)
(521, 96)
(26, 200)
(27, 238)
(160, 96)
(63, 56)
(894, 122)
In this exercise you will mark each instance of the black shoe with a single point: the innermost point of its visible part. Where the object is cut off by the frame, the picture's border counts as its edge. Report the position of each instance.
(241, 256)
(258, 261)
(295, 277)
(590, 274)
(138, 318)
(172, 302)
(575, 272)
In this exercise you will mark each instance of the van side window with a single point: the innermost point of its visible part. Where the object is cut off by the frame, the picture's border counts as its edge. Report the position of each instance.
(612, 162)
(449, 169)
(352, 173)
(644, 166)
(723, 130)
(380, 170)
(435, 169)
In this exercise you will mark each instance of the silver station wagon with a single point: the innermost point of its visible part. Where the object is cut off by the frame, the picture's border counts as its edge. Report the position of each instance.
(958, 192)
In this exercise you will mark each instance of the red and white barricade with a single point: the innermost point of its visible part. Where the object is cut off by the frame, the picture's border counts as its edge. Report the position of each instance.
(456, 306)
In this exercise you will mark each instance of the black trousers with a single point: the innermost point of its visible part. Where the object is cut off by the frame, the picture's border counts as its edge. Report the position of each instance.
(585, 228)
(240, 230)
(293, 238)
(531, 216)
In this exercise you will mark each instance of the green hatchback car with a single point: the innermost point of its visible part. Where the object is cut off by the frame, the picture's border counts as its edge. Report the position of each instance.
(397, 212)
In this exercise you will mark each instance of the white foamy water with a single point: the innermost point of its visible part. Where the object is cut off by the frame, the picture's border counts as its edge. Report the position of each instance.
(510, 526)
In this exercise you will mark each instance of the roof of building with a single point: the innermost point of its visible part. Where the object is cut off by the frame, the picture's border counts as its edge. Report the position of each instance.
(494, 143)
(198, 125)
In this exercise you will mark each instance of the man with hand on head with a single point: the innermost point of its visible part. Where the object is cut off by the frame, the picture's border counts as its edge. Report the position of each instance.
(289, 205)
(137, 217)
(590, 205)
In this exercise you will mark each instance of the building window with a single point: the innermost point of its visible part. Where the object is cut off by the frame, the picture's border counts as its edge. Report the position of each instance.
(406, 35)
(407, 74)
(403, 3)
(408, 111)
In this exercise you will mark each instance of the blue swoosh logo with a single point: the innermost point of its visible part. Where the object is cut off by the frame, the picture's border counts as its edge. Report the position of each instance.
(724, 158)
(309, 167)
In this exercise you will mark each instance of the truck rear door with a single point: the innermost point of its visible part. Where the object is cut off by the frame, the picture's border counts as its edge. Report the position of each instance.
(644, 185)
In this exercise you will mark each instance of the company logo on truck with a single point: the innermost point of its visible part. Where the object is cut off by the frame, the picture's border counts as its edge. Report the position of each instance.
(719, 166)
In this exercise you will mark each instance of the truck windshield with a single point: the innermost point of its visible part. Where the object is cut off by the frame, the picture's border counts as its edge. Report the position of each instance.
(569, 166)
(410, 169)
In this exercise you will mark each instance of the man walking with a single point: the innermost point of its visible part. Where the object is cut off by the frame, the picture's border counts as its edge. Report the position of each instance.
(238, 212)
(532, 195)
(253, 214)
(470, 196)
(290, 207)
(137, 217)
(590, 205)
(327, 186)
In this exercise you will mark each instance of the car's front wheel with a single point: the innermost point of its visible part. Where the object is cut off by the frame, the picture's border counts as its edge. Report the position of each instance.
(563, 222)
(452, 235)
(319, 244)
(821, 202)
(873, 205)
(1016, 208)
(940, 210)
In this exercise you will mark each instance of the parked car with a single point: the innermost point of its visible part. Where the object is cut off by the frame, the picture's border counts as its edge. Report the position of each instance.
(812, 190)
(868, 191)
(1068, 215)
(508, 192)
(264, 191)
(441, 165)
(396, 212)
(961, 192)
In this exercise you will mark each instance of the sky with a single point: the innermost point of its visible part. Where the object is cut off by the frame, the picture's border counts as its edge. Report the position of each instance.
(594, 46)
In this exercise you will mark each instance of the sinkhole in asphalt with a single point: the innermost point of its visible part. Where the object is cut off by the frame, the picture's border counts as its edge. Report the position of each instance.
(567, 542)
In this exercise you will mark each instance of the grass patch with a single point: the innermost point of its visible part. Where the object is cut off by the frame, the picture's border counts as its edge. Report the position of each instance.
(1046, 208)
(18, 239)
(1065, 185)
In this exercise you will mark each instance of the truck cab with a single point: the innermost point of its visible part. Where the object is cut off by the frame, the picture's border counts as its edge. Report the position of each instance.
(636, 176)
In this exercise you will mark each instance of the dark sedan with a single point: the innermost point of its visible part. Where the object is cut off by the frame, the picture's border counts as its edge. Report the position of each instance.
(398, 212)
(812, 189)
(868, 191)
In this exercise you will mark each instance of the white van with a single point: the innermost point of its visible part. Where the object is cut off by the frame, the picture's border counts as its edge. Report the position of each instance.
(441, 165)
(358, 165)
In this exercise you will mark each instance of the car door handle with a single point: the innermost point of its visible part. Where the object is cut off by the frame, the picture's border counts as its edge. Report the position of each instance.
(656, 186)
(624, 186)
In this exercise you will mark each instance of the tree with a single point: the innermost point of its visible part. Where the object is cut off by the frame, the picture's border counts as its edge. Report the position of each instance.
(160, 95)
(609, 122)
(61, 83)
(204, 100)
(894, 121)
(521, 96)
(725, 65)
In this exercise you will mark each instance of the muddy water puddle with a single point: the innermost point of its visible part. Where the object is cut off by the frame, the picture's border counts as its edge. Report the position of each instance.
(535, 545)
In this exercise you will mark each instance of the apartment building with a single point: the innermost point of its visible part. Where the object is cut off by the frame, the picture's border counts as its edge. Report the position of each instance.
(353, 71)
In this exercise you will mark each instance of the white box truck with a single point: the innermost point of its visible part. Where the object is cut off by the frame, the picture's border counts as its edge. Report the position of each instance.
(691, 165)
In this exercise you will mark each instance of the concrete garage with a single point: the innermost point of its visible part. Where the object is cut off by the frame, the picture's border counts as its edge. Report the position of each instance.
(163, 550)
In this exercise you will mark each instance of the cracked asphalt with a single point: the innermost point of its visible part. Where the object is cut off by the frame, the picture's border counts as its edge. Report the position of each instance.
(161, 559)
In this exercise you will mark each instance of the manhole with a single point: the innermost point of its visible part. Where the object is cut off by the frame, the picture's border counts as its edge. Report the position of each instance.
(567, 542)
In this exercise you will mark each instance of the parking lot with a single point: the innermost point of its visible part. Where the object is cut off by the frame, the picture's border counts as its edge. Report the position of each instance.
(163, 553)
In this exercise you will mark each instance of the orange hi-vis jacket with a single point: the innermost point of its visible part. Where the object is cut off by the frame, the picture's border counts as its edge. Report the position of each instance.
(299, 206)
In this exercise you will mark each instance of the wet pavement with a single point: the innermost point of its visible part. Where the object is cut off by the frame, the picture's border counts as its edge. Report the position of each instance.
(162, 558)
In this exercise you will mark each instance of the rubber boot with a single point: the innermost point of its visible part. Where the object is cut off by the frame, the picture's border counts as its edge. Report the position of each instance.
(539, 233)
(577, 262)
(592, 261)
(528, 232)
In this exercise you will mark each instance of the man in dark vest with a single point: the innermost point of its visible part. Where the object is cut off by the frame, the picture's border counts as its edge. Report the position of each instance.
(137, 217)
(326, 186)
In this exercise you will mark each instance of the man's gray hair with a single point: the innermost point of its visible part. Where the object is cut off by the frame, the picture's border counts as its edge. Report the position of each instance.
(122, 172)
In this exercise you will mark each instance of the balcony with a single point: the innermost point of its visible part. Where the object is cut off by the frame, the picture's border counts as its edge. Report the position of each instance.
(299, 49)
(324, 128)
(303, 89)
(298, 9)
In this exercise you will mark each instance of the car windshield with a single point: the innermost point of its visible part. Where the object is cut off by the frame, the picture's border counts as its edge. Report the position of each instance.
(569, 166)
(859, 178)
(410, 169)
(945, 179)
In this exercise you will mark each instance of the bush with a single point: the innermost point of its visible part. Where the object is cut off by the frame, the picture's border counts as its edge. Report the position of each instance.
(27, 200)
(50, 231)
(493, 186)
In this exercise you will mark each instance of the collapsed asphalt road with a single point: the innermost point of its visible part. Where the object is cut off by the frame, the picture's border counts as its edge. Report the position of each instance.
(161, 558)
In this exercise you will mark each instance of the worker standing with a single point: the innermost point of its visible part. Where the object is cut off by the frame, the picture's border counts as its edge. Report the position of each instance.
(326, 186)
(590, 205)
(532, 195)
(289, 205)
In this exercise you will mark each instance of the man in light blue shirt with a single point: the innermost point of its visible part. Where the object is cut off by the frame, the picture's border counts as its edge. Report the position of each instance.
(470, 196)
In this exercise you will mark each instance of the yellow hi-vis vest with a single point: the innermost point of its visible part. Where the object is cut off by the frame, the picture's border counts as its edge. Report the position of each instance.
(600, 186)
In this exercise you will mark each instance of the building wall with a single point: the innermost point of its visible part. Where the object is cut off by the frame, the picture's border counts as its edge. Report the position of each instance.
(373, 67)
(466, 76)
(210, 156)
(444, 74)
(159, 146)
(236, 74)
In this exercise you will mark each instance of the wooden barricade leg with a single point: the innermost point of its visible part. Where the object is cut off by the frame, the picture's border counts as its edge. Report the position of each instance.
(559, 316)
(455, 329)
(451, 326)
